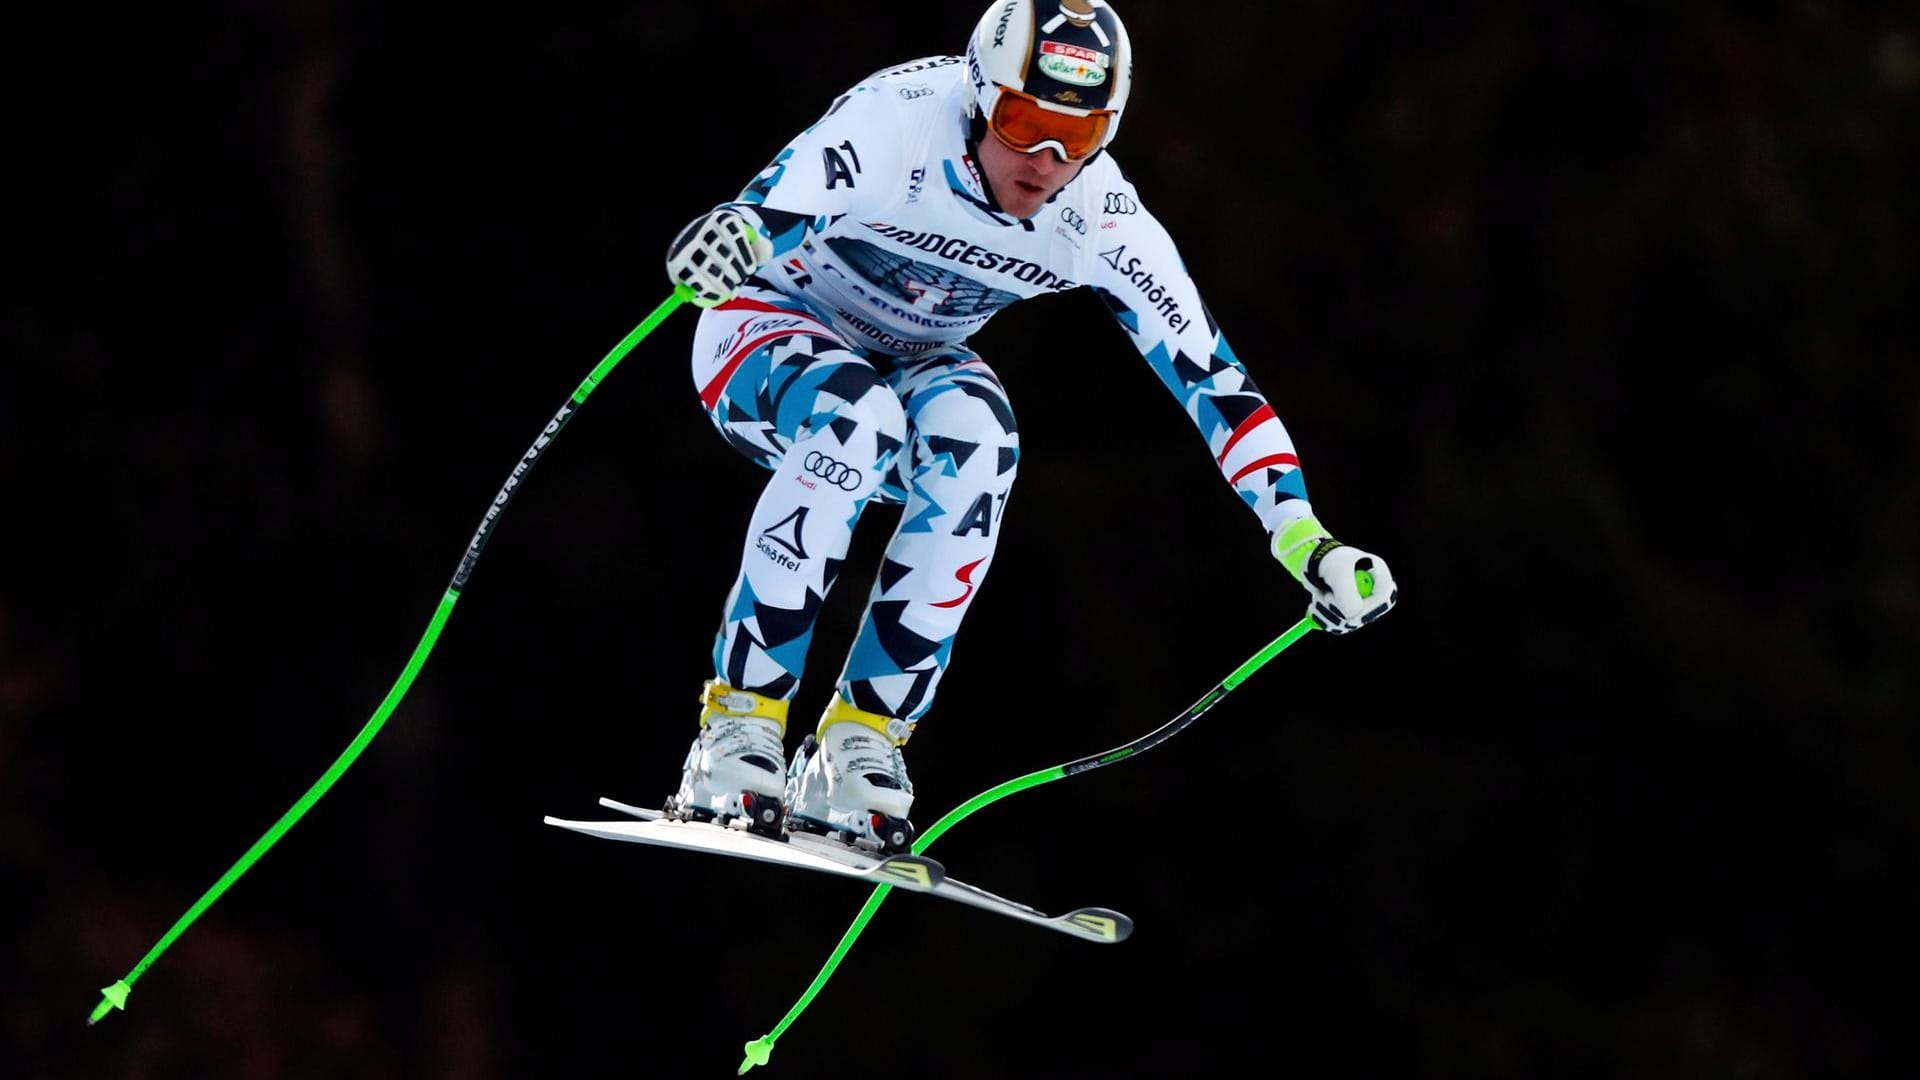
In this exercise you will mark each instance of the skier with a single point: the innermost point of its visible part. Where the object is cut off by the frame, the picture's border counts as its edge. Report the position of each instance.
(840, 289)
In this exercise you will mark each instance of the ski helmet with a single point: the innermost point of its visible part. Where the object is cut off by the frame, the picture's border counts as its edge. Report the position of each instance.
(1050, 74)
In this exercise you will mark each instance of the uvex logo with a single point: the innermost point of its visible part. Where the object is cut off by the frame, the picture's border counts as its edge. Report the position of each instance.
(1000, 28)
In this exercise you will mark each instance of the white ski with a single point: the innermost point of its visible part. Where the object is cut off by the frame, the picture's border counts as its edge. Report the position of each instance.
(915, 872)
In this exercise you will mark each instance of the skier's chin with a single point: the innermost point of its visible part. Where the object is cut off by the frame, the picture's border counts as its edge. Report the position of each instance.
(1024, 199)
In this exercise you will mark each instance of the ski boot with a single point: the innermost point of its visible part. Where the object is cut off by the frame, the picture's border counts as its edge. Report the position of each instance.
(849, 780)
(732, 772)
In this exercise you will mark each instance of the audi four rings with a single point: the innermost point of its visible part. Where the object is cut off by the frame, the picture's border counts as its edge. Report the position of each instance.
(839, 474)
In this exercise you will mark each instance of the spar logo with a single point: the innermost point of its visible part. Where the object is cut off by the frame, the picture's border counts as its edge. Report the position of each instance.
(1073, 64)
(1157, 296)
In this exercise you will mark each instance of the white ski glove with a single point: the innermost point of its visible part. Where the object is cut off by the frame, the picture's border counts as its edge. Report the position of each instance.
(1347, 588)
(716, 253)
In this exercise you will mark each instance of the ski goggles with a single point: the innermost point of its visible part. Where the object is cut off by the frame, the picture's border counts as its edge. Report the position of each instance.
(1027, 124)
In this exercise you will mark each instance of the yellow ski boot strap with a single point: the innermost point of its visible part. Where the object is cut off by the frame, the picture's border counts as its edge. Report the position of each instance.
(839, 712)
(719, 699)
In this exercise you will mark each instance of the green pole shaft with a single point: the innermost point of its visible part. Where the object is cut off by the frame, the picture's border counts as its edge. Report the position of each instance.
(115, 996)
(760, 1050)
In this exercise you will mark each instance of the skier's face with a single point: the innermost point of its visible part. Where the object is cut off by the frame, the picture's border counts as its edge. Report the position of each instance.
(1022, 183)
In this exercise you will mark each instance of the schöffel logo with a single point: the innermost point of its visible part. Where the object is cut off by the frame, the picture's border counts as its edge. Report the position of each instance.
(1156, 294)
(1120, 203)
(838, 473)
(785, 533)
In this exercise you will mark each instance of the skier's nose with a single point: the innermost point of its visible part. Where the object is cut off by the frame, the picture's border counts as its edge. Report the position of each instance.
(1047, 163)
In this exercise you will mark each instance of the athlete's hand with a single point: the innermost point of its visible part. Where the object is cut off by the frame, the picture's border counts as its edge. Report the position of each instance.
(1347, 588)
(715, 254)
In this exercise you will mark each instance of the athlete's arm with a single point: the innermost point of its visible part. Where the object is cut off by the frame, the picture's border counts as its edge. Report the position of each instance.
(848, 162)
(844, 162)
(1138, 272)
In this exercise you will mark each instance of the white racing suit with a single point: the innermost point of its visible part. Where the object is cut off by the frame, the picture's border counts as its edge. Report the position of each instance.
(843, 367)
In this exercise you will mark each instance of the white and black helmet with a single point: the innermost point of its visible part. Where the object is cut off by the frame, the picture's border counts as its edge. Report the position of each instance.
(1070, 58)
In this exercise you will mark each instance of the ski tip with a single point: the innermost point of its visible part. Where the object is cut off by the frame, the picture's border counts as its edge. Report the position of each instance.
(758, 1051)
(630, 810)
(1099, 924)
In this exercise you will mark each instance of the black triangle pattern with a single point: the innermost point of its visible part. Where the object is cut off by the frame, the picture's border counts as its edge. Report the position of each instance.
(1235, 408)
(781, 625)
(961, 449)
(995, 398)
(891, 572)
(902, 645)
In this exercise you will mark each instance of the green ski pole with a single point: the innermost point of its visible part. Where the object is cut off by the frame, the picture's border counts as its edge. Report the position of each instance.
(760, 1050)
(115, 996)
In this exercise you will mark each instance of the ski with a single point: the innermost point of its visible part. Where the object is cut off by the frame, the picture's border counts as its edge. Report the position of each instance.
(915, 872)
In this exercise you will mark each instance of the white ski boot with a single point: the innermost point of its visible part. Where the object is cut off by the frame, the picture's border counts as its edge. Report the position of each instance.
(733, 769)
(850, 780)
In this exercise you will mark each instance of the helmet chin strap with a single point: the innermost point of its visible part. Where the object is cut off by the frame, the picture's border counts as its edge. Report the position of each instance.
(977, 130)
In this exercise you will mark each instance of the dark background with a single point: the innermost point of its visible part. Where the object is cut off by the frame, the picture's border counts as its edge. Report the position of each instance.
(1594, 320)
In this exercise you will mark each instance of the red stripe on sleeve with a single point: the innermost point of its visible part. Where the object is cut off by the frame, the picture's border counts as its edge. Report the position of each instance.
(1260, 416)
(744, 303)
(1268, 462)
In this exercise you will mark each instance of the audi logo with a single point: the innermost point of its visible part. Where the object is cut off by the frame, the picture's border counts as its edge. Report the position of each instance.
(1119, 203)
(839, 474)
(1072, 218)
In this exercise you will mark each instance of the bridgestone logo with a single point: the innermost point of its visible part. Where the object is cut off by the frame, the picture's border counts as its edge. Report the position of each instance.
(957, 249)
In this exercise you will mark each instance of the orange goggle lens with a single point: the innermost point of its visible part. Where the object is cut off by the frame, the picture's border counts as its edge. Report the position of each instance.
(1023, 124)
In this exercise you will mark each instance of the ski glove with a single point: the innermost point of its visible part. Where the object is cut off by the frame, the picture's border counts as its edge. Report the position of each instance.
(1347, 588)
(716, 253)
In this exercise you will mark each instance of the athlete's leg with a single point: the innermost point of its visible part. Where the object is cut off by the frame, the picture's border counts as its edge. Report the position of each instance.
(962, 452)
(789, 393)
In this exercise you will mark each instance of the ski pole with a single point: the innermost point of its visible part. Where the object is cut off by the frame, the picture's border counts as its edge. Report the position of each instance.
(115, 996)
(759, 1050)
